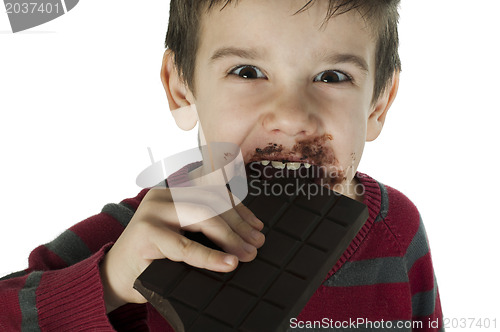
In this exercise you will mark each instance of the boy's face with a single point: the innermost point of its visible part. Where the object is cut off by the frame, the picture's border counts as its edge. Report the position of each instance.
(283, 87)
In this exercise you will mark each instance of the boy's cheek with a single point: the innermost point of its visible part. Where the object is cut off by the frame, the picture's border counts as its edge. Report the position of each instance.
(223, 126)
(349, 142)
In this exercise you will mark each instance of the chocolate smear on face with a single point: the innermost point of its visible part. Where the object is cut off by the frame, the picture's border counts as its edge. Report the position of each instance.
(270, 150)
(313, 150)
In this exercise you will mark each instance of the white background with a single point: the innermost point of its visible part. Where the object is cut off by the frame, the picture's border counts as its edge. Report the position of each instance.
(81, 100)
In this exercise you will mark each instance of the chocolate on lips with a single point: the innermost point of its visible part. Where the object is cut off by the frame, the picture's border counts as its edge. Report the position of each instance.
(313, 150)
(311, 159)
(307, 230)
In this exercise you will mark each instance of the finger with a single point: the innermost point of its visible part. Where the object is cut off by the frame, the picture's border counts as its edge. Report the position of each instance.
(179, 248)
(243, 228)
(248, 215)
(218, 231)
(229, 231)
(197, 218)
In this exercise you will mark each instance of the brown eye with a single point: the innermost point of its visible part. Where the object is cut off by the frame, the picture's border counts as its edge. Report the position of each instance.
(248, 72)
(331, 76)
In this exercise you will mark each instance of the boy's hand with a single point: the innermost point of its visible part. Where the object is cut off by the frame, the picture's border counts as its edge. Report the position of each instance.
(154, 232)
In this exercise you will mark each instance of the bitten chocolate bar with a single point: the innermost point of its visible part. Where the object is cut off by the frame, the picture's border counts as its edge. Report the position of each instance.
(307, 228)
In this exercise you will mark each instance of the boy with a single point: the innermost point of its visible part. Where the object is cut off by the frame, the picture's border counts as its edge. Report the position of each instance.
(276, 78)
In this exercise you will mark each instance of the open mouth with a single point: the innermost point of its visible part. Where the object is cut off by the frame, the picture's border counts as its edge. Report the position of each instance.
(310, 159)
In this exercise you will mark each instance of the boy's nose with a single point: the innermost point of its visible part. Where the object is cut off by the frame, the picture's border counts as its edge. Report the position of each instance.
(292, 118)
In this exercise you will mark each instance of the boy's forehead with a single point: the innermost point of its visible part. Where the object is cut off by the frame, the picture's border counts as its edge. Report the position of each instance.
(263, 26)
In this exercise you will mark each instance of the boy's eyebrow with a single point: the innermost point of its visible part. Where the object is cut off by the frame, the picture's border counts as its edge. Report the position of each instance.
(254, 54)
(347, 58)
(233, 51)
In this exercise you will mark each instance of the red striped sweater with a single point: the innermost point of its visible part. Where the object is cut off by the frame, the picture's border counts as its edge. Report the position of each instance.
(383, 281)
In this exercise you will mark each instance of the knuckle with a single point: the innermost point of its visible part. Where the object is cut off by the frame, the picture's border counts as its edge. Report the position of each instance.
(217, 202)
(241, 226)
(204, 212)
(140, 226)
(184, 246)
(233, 237)
(212, 257)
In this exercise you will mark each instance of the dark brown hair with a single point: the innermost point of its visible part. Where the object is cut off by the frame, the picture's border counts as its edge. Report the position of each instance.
(381, 15)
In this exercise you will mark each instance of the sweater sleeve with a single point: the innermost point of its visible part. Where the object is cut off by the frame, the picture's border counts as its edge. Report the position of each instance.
(412, 237)
(61, 290)
(426, 304)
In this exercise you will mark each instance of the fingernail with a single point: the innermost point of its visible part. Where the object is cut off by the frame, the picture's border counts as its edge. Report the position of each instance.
(230, 260)
(256, 221)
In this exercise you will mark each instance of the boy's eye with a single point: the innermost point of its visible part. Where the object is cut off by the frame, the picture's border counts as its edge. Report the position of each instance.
(248, 72)
(331, 76)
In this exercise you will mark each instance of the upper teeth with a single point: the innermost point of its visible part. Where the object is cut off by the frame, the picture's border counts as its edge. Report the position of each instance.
(292, 166)
(280, 165)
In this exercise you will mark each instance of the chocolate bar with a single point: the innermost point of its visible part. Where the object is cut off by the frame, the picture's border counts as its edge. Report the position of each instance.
(307, 228)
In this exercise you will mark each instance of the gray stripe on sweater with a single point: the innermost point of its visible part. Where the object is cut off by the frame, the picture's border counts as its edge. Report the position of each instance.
(69, 247)
(384, 203)
(418, 247)
(424, 303)
(120, 212)
(27, 303)
(369, 272)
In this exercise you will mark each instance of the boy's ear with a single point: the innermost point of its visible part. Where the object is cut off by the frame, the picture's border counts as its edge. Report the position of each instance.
(180, 99)
(379, 111)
